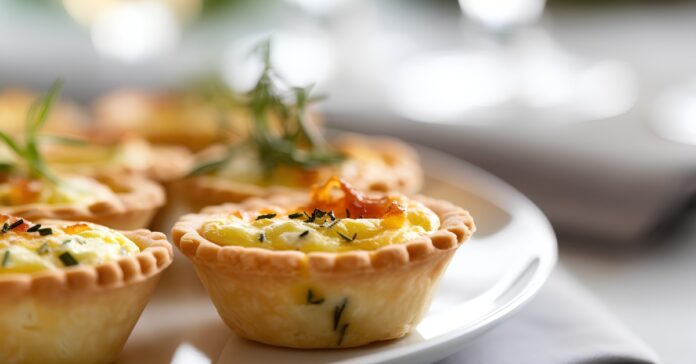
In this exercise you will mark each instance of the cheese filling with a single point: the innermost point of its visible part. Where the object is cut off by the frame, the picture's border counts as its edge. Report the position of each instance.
(27, 247)
(22, 191)
(327, 224)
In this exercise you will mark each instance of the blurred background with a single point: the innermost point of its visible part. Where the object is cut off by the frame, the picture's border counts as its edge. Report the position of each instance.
(587, 107)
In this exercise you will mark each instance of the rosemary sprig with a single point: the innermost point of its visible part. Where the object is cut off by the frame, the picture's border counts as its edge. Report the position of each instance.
(342, 334)
(29, 152)
(280, 133)
(338, 312)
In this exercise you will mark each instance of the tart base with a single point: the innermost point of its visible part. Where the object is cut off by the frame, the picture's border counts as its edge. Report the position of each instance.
(81, 314)
(135, 203)
(378, 306)
(89, 327)
(399, 172)
(320, 299)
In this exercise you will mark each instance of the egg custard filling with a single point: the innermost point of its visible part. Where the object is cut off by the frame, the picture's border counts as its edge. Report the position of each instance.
(17, 191)
(26, 247)
(337, 218)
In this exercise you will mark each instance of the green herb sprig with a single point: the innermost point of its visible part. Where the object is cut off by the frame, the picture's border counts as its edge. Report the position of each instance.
(280, 133)
(29, 150)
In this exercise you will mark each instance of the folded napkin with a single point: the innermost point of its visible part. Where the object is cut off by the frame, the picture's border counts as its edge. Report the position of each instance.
(564, 324)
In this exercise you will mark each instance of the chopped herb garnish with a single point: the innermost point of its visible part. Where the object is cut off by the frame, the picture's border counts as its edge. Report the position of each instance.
(348, 213)
(306, 214)
(266, 216)
(346, 238)
(5, 228)
(43, 249)
(67, 259)
(332, 224)
(311, 300)
(16, 224)
(342, 334)
(262, 237)
(304, 233)
(316, 214)
(70, 240)
(6, 258)
(332, 216)
(338, 312)
(34, 228)
(296, 215)
(45, 231)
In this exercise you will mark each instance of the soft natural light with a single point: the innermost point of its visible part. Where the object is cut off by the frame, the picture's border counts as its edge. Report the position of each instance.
(440, 87)
(503, 13)
(300, 59)
(132, 31)
(675, 115)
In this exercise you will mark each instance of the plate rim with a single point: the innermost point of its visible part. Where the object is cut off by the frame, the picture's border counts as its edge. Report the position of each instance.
(447, 344)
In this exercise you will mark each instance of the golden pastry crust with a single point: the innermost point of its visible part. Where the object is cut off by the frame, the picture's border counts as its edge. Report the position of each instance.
(170, 118)
(133, 205)
(161, 118)
(404, 173)
(65, 118)
(400, 172)
(81, 314)
(161, 163)
(259, 292)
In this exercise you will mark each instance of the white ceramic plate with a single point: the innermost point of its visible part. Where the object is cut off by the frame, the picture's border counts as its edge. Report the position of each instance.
(490, 277)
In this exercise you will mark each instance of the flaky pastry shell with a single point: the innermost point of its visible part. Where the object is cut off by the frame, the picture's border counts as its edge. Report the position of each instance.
(264, 295)
(135, 203)
(81, 314)
(161, 163)
(402, 174)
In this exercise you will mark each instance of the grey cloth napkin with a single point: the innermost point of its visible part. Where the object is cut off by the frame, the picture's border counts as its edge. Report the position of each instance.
(564, 324)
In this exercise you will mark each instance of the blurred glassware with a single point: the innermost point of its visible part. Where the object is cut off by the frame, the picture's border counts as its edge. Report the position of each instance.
(132, 31)
(503, 15)
(301, 58)
(674, 114)
(520, 72)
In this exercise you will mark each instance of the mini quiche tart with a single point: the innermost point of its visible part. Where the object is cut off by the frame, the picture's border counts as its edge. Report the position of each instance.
(72, 292)
(379, 164)
(66, 118)
(162, 163)
(121, 202)
(340, 269)
(161, 118)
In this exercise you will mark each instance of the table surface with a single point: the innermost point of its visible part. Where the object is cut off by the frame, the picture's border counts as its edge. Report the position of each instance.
(651, 290)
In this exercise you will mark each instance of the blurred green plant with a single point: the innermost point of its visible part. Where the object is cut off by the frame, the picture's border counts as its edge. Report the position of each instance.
(27, 150)
(280, 133)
